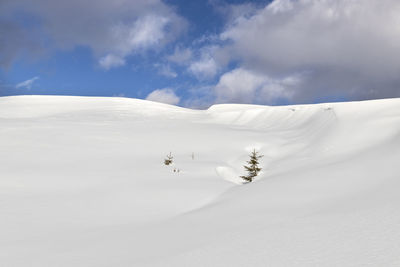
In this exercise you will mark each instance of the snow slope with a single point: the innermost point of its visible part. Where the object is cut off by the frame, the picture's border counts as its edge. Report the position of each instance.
(82, 183)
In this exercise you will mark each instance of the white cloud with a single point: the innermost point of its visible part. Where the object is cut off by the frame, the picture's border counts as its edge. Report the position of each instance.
(148, 31)
(206, 67)
(27, 84)
(180, 56)
(231, 12)
(210, 60)
(166, 71)
(165, 95)
(244, 86)
(348, 47)
(144, 33)
(207, 64)
(111, 61)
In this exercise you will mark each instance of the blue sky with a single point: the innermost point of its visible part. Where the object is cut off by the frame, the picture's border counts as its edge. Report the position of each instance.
(197, 53)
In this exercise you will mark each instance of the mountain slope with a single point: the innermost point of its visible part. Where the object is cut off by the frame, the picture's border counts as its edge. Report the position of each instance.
(82, 183)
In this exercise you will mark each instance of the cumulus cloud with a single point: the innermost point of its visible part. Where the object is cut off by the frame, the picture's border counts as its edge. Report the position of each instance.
(165, 95)
(204, 68)
(27, 84)
(118, 28)
(208, 62)
(348, 48)
(244, 86)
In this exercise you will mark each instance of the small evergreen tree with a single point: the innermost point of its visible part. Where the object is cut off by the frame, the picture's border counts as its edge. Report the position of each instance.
(169, 159)
(252, 167)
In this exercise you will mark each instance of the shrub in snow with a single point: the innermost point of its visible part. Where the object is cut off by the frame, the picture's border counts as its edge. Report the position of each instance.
(252, 168)
(169, 159)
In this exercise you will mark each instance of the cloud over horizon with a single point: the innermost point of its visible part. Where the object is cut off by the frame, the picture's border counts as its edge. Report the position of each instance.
(166, 96)
(243, 86)
(348, 48)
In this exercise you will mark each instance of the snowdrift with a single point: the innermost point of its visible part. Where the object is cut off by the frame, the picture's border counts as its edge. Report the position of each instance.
(82, 183)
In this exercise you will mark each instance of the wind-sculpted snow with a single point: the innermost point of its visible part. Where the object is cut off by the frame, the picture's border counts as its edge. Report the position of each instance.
(82, 183)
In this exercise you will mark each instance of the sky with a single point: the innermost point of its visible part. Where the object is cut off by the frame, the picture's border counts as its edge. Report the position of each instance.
(199, 53)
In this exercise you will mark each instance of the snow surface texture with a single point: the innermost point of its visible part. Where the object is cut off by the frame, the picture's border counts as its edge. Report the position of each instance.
(82, 183)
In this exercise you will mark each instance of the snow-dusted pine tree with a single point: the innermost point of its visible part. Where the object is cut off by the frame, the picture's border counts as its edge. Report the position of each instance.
(169, 159)
(252, 168)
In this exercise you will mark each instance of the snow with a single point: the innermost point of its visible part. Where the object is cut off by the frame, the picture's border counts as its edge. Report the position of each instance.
(82, 183)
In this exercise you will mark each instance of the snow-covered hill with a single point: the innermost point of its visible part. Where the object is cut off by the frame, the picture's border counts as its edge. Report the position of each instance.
(82, 183)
